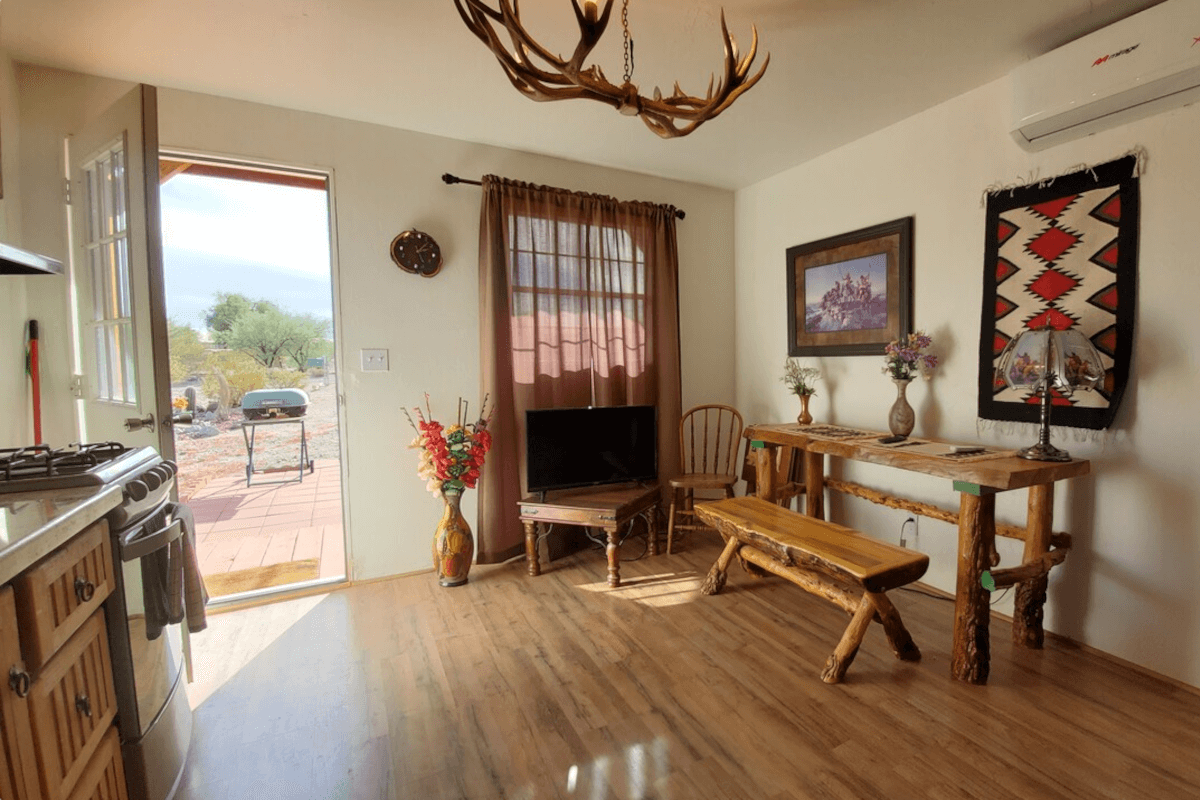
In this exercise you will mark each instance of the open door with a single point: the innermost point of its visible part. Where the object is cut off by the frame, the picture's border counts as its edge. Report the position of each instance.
(118, 279)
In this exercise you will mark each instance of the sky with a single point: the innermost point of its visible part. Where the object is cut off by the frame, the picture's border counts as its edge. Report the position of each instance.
(256, 239)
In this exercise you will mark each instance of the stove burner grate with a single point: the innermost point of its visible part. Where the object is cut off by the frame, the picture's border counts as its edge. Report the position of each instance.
(42, 461)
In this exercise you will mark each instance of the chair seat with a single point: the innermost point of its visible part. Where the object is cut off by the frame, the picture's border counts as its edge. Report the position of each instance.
(702, 481)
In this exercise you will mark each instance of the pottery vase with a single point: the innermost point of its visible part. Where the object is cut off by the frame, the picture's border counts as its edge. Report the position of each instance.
(805, 418)
(453, 544)
(901, 417)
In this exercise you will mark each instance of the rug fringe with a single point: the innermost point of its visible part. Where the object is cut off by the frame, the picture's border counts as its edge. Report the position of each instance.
(1139, 153)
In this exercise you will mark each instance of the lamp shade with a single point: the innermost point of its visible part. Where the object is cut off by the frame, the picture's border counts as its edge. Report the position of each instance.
(1048, 359)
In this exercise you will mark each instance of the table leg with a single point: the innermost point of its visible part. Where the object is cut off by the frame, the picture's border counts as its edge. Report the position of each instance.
(614, 558)
(814, 484)
(764, 468)
(651, 517)
(1027, 628)
(531, 553)
(976, 534)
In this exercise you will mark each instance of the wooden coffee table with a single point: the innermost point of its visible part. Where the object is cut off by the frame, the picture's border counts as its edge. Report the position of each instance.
(608, 507)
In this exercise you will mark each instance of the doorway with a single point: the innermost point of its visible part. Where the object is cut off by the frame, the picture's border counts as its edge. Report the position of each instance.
(250, 306)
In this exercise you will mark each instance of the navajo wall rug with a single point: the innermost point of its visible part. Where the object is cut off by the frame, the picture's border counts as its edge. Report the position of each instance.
(1062, 252)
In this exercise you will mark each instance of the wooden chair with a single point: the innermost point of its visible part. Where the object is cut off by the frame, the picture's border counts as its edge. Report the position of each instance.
(709, 439)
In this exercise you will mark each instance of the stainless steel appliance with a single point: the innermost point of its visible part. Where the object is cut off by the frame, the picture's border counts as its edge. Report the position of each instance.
(153, 714)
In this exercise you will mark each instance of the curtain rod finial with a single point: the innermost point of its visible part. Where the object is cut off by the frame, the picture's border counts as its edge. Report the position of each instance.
(448, 178)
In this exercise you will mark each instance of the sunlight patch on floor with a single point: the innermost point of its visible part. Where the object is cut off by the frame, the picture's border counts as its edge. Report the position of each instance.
(234, 639)
(662, 590)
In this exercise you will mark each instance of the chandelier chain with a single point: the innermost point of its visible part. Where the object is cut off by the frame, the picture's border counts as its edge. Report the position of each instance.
(628, 42)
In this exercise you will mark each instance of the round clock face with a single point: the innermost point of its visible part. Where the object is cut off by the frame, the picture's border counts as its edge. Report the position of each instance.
(416, 252)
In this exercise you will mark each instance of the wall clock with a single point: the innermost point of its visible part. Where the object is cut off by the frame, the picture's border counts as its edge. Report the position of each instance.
(416, 252)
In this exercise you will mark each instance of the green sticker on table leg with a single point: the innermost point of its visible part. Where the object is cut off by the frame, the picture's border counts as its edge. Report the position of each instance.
(988, 581)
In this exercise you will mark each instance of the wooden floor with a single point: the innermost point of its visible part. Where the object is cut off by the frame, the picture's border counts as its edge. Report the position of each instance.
(558, 687)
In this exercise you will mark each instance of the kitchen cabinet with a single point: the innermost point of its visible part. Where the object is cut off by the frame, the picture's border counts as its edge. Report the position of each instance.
(18, 776)
(61, 743)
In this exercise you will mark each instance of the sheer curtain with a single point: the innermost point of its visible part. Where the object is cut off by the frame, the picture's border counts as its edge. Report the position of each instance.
(579, 306)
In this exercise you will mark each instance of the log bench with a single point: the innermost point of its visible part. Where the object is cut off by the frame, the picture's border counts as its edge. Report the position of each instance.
(847, 568)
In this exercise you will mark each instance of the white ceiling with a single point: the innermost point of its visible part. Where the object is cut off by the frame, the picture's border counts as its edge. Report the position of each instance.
(839, 68)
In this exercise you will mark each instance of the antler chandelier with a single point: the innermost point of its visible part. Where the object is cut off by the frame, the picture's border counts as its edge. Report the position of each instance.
(564, 79)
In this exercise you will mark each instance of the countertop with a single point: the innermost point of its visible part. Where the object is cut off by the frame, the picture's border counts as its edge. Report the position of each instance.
(34, 524)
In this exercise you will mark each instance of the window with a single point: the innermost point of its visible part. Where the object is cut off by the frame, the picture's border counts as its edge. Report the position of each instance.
(578, 298)
(107, 257)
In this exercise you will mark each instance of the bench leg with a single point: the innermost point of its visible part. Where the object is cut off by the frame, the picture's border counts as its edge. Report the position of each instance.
(843, 655)
(898, 636)
(715, 581)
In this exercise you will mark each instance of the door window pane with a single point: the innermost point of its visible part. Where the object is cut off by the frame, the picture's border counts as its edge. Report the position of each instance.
(108, 261)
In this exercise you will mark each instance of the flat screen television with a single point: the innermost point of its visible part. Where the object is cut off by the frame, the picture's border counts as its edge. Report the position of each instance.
(570, 447)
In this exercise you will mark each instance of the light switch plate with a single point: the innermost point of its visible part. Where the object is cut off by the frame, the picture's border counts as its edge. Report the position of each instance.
(375, 360)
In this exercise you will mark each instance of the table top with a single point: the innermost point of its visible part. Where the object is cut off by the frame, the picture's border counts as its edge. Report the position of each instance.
(618, 498)
(993, 467)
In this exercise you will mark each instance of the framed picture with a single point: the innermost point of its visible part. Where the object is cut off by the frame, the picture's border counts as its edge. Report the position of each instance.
(850, 295)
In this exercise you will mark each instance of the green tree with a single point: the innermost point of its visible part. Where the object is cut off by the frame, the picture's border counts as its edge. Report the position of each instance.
(308, 338)
(189, 356)
(227, 310)
(264, 334)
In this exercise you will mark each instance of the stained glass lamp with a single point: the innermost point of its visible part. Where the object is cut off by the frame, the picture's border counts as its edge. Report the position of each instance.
(1046, 361)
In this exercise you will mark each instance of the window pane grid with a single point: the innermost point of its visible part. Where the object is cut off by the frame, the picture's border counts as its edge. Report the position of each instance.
(107, 250)
(577, 298)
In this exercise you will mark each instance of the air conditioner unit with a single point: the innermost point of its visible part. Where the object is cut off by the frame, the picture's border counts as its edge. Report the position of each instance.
(1144, 64)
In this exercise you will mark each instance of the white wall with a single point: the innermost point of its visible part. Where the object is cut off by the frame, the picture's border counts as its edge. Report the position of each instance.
(1130, 584)
(14, 391)
(385, 181)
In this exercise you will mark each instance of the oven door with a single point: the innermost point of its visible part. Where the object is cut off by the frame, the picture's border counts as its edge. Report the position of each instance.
(154, 718)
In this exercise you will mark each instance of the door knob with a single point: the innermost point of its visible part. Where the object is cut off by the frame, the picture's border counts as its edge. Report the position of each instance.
(135, 424)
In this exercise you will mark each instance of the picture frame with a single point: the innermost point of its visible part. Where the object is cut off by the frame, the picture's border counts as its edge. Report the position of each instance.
(851, 294)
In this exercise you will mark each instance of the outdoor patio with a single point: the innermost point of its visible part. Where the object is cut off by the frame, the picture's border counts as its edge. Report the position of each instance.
(271, 524)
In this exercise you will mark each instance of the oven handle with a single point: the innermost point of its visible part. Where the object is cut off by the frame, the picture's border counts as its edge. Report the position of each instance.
(135, 545)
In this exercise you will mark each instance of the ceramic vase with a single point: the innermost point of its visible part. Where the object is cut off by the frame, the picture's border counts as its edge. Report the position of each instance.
(901, 418)
(453, 544)
(805, 418)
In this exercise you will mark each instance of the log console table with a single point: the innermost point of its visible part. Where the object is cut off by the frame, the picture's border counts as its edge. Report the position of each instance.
(977, 475)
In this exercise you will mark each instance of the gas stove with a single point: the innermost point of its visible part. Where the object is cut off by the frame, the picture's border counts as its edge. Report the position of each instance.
(146, 479)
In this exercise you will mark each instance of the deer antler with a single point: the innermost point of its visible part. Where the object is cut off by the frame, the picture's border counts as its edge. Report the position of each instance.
(561, 79)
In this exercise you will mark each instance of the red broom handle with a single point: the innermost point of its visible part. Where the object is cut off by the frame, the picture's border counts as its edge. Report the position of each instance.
(35, 375)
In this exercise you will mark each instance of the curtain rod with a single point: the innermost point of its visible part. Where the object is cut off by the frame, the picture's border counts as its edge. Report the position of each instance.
(452, 179)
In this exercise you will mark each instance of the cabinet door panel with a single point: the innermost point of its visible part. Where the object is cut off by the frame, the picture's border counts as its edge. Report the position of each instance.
(61, 591)
(104, 778)
(73, 706)
(18, 776)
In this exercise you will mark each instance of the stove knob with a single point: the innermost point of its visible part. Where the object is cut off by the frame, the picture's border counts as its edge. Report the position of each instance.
(136, 490)
(152, 479)
(170, 467)
(164, 472)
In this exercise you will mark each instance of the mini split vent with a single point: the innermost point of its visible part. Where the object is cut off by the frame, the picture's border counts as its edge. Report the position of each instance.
(1147, 63)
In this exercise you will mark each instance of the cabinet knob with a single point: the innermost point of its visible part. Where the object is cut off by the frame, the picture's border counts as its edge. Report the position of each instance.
(84, 705)
(84, 589)
(19, 681)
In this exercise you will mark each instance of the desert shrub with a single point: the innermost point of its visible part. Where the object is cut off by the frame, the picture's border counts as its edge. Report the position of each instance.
(238, 371)
(282, 378)
(188, 353)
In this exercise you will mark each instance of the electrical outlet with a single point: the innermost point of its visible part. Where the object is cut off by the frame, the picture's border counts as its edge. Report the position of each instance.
(375, 360)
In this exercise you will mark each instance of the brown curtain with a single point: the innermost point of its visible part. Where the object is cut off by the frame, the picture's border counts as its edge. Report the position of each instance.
(579, 306)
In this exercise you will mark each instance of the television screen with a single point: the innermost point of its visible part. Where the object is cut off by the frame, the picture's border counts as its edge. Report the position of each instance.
(568, 447)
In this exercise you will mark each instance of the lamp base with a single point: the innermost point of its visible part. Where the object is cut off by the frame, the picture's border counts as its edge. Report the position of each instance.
(1044, 451)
